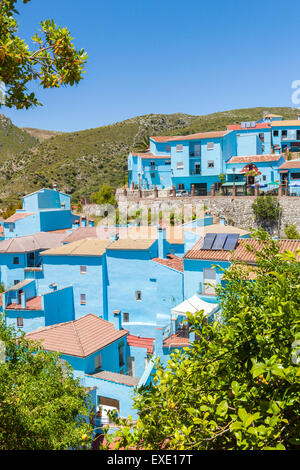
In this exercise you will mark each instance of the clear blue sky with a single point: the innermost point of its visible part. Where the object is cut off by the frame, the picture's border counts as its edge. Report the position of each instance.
(166, 56)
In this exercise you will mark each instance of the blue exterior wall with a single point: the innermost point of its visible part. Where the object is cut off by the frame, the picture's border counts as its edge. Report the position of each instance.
(59, 306)
(45, 199)
(11, 272)
(65, 271)
(283, 141)
(161, 288)
(193, 274)
(32, 319)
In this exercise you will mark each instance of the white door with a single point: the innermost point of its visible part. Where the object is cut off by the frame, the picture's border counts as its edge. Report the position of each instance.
(209, 276)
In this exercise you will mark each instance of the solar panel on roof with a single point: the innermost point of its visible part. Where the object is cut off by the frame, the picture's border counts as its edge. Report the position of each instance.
(208, 241)
(219, 241)
(231, 242)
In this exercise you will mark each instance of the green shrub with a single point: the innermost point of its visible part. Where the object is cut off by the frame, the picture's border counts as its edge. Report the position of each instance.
(266, 209)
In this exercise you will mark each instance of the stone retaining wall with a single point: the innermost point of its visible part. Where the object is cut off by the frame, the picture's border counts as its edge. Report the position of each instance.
(236, 210)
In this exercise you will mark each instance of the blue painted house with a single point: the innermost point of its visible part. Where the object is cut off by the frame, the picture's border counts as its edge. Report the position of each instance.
(98, 351)
(290, 176)
(21, 257)
(44, 210)
(81, 264)
(197, 160)
(25, 310)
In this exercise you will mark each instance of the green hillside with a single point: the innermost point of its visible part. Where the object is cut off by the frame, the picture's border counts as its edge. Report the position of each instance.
(80, 162)
(12, 139)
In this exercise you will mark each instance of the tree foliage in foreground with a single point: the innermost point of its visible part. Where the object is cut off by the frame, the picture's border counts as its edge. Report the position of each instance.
(53, 63)
(237, 387)
(42, 407)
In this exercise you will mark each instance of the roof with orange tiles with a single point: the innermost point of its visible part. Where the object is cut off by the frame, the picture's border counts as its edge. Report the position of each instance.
(240, 253)
(117, 378)
(79, 338)
(149, 155)
(140, 342)
(35, 303)
(176, 341)
(198, 136)
(255, 158)
(290, 164)
(18, 216)
(238, 127)
(172, 261)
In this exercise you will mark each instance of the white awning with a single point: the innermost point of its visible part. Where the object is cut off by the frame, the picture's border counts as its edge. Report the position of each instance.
(194, 304)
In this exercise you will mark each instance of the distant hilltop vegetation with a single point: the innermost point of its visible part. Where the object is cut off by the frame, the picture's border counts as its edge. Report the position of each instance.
(80, 162)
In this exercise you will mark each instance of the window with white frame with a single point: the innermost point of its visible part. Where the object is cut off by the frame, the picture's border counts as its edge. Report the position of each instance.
(179, 148)
(83, 269)
(210, 145)
(210, 164)
(11, 227)
(179, 165)
(82, 299)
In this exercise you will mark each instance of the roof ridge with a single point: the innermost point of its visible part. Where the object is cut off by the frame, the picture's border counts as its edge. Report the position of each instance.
(78, 338)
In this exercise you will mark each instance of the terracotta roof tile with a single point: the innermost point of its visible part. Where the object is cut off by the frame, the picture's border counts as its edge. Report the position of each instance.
(177, 340)
(198, 136)
(241, 253)
(18, 216)
(290, 164)
(80, 337)
(149, 155)
(238, 127)
(32, 304)
(140, 342)
(172, 261)
(255, 158)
